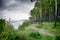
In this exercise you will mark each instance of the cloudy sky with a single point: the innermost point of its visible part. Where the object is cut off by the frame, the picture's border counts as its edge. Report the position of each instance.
(15, 9)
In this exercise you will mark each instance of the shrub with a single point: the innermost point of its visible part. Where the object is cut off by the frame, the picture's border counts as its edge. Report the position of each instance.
(25, 24)
(57, 37)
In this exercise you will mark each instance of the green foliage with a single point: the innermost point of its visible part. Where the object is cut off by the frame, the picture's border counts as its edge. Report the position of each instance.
(2, 24)
(46, 25)
(50, 27)
(25, 24)
(58, 1)
(35, 11)
(43, 8)
(20, 37)
(37, 36)
(46, 37)
(57, 37)
(58, 24)
(5, 32)
(8, 34)
(32, 35)
(41, 5)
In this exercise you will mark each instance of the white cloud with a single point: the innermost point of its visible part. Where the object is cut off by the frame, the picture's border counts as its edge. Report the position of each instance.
(16, 10)
(15, 15)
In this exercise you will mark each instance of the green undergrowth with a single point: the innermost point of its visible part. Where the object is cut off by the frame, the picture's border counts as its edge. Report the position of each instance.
(33, 35)
(51, 28)
(48, 26)
(24, 25)
(45, 25)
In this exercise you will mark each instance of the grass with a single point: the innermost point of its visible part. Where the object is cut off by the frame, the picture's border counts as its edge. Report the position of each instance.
(46, 37)
(28, 35)
(24, 25)
(45, 25)
(50, 27)
(34, 35)
(37, 36)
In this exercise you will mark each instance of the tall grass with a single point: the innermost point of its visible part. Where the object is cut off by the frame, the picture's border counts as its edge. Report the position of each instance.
(24, 25)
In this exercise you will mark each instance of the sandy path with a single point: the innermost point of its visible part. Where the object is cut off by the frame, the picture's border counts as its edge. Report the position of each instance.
(41, 31)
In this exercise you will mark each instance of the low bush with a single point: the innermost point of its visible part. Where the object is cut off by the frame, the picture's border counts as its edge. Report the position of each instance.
(25, 24)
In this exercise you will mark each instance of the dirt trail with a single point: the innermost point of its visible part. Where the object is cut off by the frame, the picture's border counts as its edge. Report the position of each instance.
(41, 31)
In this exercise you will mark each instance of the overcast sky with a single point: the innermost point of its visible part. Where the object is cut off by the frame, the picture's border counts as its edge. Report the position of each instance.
(15, 9)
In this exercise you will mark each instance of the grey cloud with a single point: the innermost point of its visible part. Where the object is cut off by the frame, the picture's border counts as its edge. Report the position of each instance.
(24, 0)
(1, 14)
(0, 3)
(14, 6)
(5, 4)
